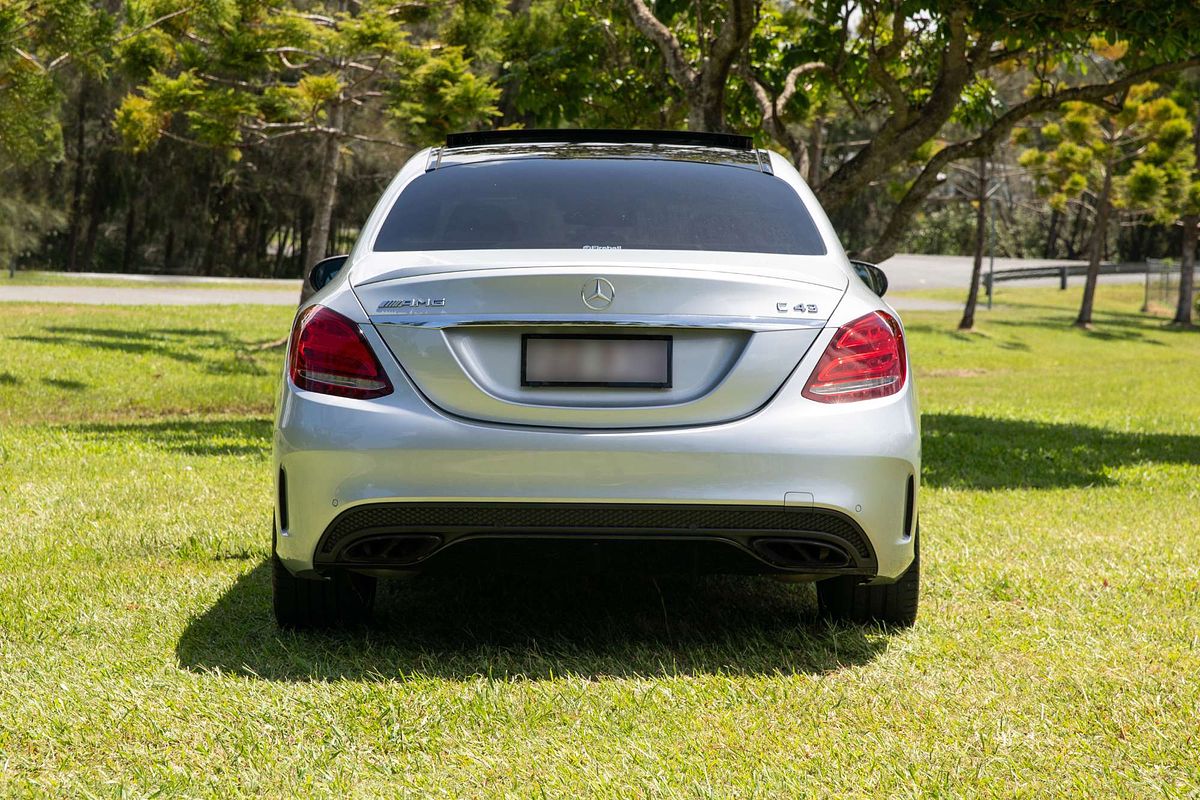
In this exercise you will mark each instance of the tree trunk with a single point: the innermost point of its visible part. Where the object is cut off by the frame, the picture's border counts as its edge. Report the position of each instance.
(968, 317)
(169, 250)
(510, 85)
(130, 230)
(1099, 242)
(77, 188)
(1187, 260)
(262, 233)
(96, 208)
(1187, 271)
(1052, 234)
(283, 244)
(215, 233)
(1076, 231)
(816, 147)
(303, 230)
(706, 112)
(318, 241)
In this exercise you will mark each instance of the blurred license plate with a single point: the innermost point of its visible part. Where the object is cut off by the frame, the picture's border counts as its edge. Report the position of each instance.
(592, 360)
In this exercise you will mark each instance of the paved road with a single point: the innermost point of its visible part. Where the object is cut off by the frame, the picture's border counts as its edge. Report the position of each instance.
(905, 273)
(142, 296)
(913, 272)
(184, 280)
(170, 296)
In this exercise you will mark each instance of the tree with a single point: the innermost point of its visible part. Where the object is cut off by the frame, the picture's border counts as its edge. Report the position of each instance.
(581, 63)
(37, 40)
(716, 42)
(901, 67)
(978, 109)
(1135, 157)
(919, 83)
(266, 70)
(1187, 93)
(1191, 226)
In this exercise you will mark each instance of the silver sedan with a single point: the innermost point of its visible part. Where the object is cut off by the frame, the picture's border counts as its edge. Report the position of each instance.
(561, 350)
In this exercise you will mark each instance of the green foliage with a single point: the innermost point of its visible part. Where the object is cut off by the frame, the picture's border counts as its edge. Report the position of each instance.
(256, 83)
(1146, 143)
(29, 127)
(247, 74)
(25, 217)
(946, 230)
(35, 39)
(435, 98)
(582, 63)
(979, 106)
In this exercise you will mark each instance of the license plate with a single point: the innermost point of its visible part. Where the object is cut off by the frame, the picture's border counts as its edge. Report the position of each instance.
(583, 360)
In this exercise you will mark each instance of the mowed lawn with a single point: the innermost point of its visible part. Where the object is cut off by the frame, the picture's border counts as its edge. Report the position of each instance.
(1057, 652)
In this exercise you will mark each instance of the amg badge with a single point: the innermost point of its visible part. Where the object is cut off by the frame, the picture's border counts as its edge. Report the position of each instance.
(413, 302)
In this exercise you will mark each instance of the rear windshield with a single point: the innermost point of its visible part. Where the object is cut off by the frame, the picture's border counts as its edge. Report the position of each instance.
(541, 203)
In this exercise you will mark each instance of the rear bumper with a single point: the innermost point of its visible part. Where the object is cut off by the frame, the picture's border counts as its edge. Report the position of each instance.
(817, 462)
(404, 537)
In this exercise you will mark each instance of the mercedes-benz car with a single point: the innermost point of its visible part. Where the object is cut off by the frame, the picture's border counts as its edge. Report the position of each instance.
(596, 350)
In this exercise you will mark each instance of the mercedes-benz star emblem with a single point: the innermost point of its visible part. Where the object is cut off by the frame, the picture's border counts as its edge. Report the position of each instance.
(598, 294)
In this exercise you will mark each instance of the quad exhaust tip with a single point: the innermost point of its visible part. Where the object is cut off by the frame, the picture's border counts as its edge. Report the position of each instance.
(803, 554)
(389, 550)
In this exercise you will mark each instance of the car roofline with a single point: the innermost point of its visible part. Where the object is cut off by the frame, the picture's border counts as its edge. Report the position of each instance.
(724, 141)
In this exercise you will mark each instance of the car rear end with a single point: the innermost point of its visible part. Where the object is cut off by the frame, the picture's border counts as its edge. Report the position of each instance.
(558, 355)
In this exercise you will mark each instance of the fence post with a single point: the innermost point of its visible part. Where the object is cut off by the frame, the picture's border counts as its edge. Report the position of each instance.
(1062, 278)
(992, 259)
(1146, 293)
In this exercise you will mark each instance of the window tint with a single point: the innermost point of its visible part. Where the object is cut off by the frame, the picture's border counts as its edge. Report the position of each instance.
(541, 203)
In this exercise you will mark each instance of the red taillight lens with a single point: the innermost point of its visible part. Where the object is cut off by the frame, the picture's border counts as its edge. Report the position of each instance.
(330, 355)
(864, 360)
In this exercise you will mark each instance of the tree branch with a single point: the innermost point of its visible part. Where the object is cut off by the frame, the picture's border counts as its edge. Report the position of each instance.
(729, 42)
(879, 55)
(65, 57)
(772, 108)
(904, 131)
(983, 144)
(672, 51)
(793, 78)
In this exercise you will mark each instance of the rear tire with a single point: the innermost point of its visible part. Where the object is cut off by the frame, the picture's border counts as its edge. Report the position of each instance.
(343, 599)
(891, 604)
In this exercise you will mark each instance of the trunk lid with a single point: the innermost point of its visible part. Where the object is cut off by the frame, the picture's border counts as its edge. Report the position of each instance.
(738, 327)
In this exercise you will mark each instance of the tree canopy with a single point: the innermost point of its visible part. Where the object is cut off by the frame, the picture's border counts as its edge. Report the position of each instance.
(281, 116)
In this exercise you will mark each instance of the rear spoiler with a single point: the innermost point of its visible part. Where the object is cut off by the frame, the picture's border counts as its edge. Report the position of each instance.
(724, 141)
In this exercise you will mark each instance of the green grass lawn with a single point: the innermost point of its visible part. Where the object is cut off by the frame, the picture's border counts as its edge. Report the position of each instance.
(1057, 651)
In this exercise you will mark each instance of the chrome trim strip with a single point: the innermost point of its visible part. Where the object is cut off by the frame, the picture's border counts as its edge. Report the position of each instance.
(401, 317)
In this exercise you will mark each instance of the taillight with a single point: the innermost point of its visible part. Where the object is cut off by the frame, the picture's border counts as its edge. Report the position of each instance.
(329, 355)
(864, 360)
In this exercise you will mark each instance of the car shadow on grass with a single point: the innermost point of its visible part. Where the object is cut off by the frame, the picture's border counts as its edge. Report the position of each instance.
(963, 451)
(216, 351)
(540, 628)
(247, 436)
